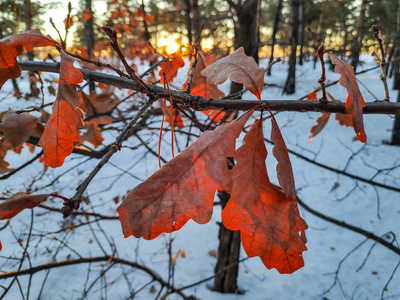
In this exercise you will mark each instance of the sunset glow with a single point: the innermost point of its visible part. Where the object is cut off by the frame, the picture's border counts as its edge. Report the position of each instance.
(169, 44)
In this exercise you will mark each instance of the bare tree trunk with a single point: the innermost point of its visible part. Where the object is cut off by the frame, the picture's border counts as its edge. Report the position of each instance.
(357, 43)
(188, 20)
(28, 22)
(301, 30)
(196, 19)
(248, 15)
(146, 27)
(345, 37)
(290, 85)
(274, 32)
(396, 83)
(320, 31)
(228, 255)
(89, 36)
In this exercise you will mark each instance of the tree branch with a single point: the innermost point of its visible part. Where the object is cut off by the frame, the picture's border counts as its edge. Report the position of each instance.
(200, 103)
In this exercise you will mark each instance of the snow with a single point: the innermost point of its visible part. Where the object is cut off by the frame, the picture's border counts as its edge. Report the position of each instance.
(365, 267)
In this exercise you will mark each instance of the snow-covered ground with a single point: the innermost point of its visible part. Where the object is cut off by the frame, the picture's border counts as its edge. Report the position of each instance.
(339, 263)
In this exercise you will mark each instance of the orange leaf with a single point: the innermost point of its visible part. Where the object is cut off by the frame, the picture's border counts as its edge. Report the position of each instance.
(92, 134)
(18, 202)
(200, 86)
(99, 103)
(284, 168)
(312, 96)
(239, 68)
(355, 101)
(62, 129)
(321, 122)
(4, 147)
(12, 46)
(87, 14)
(17, 128)
(269, 222)
(183, 188)
(170, 68)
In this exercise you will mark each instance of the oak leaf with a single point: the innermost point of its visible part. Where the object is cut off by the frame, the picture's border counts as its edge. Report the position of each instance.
(284, 167)
(269, 222)
(62, 129)
(93, 134)
(17, 128)
(321, 122)
(183, 188)
(4, 147)
(170, 69)
(239, 68)
(355, 101)
(100, 104)
(18, 202)
(12, 46)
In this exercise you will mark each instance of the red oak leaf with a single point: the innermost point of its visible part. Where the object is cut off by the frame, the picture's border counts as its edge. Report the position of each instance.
(93, 134)
(18, 202)
(17, 128)
(12, 46)
(170, 68)
(284, 167)
(355, 101)
(239, 68)
(269, 222)
(62, 129)
(321, 122)
(183, 188)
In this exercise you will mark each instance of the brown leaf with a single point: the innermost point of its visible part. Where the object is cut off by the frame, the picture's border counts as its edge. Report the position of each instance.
(12, 46)
(355, 101)
(239, 68)
(200, 86)
(17, 128)
(62, 129)
(4, 147)
(183, 188)
(170, 68)
(284, 167)
(269, 222)
(18, 202)
(93, 134)
(100, 104)
(321, 122)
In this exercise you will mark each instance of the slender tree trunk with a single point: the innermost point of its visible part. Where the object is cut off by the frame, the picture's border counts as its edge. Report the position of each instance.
(396, 85)
(89, 37)
(357, 43)
(301, 30)
(345, 35)
(290, 85)
(188, 20)
(228, 255)
(278, 13)
(147, 35)
(28, 22)
(196, 19)
(320, 31)
(227, 266)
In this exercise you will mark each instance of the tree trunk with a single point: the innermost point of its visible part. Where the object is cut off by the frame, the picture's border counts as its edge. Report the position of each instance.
(188, 20)
(229, 248)
(357, 43)
(228, 255)
(320, 31)
(28, 22)
(274, 32)
(290, 85)
(89, 36)
(301, 30)
(396, 81)
(196, 19)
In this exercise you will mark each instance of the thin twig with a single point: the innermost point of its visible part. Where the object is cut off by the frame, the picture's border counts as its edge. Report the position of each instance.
(382, 61)
(321, 80)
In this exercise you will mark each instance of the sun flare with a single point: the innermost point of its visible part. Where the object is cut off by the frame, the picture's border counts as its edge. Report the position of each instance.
(169, 44)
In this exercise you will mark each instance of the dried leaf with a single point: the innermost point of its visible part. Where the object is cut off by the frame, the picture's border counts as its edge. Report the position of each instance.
(170, 68)
(100, 104)
(62, 129)
(18, 202)
(4, 147)
(17, 128)
(183, 188)
(284, 167)
(355, 101)
(12, 46)
(93, 134)
(239, 68)
(321, 122)
(269, 222)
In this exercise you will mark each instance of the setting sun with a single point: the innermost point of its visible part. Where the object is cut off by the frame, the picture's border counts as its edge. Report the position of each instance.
(168, 44)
